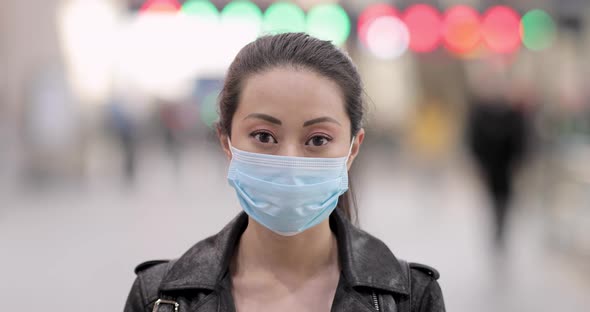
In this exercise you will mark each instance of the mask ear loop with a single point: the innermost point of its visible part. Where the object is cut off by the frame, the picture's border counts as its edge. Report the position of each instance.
(350, 149)
(345, 167)
(230, 146)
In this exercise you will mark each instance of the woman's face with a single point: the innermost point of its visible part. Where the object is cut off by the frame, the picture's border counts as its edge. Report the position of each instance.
(292, 112)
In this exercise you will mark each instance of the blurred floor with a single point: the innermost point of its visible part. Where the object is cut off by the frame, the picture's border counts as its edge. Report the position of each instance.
(74, 249)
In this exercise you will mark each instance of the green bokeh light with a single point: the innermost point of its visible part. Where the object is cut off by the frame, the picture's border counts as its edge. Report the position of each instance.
(209, 113)
(283, 17)
(329, 22)
(201, 9)
(242, 10)
(538, 30)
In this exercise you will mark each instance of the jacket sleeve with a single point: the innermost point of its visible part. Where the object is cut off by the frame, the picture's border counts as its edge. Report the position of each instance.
(135, 300)
(432, 299)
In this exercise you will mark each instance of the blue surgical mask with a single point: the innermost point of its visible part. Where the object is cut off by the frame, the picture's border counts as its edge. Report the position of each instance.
(287, 195)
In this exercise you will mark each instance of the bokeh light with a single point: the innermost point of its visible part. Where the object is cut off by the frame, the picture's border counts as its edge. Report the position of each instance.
(241, 22)
(501, 29)
(208, 112)
(242, 11)
(538, 30)
(462, 29)
(424, 24)
(200, 22)
(283, 17)
(155, 61)
(202, 9)
(86, 30)
(160, 7)
(329, 22)
(370, 14)
(387, 37)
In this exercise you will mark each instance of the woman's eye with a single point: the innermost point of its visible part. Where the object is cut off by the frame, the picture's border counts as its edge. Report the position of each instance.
(264, 137)
(318, 140)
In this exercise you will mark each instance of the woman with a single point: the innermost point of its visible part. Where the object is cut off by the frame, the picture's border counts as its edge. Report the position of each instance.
(290, 124)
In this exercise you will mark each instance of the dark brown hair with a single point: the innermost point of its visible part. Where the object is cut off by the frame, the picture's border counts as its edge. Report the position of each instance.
(297, 50)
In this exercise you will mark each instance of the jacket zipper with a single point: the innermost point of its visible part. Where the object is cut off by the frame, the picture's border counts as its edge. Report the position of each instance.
(376, 301)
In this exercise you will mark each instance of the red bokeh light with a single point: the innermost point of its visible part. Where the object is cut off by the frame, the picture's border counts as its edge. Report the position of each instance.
(425, 26)
(501, 29)
(461, 29)
(160, 6)
(369, 15)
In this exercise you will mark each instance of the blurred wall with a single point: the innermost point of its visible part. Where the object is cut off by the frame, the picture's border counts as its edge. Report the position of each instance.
(28, 42)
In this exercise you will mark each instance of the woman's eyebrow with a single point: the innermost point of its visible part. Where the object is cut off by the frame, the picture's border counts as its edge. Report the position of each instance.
(265, 117)
(320, 119)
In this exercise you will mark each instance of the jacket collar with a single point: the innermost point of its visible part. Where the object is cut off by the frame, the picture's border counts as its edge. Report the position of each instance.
(365, 260)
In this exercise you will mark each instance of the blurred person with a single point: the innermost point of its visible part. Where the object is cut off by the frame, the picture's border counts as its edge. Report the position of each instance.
(123, 126)
(290, 125)
(496, 137)
(170, 116)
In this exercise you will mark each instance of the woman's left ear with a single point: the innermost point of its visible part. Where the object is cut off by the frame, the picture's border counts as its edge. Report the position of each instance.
(223, 141)
(356, 147)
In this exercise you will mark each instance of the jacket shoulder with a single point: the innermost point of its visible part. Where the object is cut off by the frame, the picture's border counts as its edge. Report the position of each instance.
(426, 292)
(150, 275)
(423, 268)
(421, 276)
(145, 287)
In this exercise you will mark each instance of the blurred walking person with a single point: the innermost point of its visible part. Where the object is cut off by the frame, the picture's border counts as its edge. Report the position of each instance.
(123, 126)
(496, 138)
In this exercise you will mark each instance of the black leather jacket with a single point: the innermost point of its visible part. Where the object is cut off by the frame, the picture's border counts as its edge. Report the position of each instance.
(371, 278)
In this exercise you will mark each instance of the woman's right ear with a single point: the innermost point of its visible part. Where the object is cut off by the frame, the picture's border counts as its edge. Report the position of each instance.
(224, 142)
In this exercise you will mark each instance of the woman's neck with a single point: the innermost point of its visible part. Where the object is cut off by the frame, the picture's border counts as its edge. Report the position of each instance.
(303, 255)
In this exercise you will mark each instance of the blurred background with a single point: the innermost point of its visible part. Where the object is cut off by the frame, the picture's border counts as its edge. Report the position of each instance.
(475, 162)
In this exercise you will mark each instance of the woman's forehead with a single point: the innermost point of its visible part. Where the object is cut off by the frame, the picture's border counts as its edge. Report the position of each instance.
(292, 92)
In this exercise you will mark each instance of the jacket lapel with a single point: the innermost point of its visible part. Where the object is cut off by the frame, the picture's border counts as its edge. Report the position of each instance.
(348, 300)
(204, 265)
(208, 304)
(366, 261)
